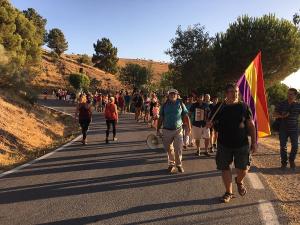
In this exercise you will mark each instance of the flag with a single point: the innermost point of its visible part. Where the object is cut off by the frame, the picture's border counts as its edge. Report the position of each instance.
(252, 89)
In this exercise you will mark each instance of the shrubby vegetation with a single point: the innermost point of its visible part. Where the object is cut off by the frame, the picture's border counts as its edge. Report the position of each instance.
(79, 81)
(84, 59)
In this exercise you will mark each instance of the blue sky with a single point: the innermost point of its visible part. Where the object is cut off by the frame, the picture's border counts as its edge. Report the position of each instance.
(143, 28)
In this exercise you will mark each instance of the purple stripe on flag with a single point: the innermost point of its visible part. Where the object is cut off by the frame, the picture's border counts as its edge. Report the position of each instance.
(245, 91)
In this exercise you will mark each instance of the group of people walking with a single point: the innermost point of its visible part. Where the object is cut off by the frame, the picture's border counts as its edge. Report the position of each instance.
(227, 127)
(231, 123)
(83, 114)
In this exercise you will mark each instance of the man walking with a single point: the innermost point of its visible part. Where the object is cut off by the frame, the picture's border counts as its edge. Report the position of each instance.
(172, 115)
(234, 122)
(199, 112)
(288, 112)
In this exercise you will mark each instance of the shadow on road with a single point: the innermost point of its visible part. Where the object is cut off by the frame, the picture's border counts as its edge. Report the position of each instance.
(92, 185)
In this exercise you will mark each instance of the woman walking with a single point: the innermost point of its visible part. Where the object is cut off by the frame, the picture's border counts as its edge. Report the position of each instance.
(84, 115)
(112, 117)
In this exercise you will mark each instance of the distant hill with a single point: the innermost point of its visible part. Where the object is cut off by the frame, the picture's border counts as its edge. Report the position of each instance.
(52, 77)
(157, 67)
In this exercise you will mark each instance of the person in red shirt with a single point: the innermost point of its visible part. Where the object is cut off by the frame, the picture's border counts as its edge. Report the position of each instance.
(112, 117)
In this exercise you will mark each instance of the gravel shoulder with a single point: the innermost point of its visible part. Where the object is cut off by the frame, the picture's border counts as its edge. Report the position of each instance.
(285, 184)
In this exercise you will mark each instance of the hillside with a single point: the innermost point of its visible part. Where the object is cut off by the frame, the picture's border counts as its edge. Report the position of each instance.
(157, 67)
(55, 75)
(28, 131)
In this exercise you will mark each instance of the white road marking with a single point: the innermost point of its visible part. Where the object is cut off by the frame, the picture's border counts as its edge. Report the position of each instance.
(267, 213)
(255, 181)
(38, 159)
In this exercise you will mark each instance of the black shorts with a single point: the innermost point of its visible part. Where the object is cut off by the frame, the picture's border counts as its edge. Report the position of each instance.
(240, 156)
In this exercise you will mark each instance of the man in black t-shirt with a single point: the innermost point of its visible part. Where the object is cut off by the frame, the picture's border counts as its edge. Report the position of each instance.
(234, 122)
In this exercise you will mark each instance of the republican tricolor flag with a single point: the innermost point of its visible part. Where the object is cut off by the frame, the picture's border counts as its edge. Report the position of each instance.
(252, 89)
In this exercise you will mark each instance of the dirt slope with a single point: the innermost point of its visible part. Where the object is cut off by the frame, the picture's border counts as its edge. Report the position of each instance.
(26, 131)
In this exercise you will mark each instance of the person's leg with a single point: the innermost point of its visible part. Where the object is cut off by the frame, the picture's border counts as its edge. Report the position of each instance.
(82, 130)
(206, 136)
(241, 174)
(168, 146)
(113, 122)
(283, 138)
(178, 144)
(215, 138)
(294, 142)
(227, 180)
(224, 158)
(197, 135)
(242, 161)
(107, 129)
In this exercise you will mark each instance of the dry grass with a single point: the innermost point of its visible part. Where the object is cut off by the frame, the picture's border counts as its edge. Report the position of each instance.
(157, 67)
(285, 184)
(51, 76)
(28, 132)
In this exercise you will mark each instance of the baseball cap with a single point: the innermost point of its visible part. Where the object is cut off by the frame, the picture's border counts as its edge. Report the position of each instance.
(172, 90)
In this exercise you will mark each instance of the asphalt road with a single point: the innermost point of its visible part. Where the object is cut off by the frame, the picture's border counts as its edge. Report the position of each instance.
(123, 182)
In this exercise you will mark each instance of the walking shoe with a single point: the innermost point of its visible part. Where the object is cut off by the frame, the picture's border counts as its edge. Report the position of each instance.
(180, 169)
(207, 154)
(171, 169)
(115, 139)
(227, 197)
(283, 166)
(197, 153)
(293, 165)
(106, 141)
(84, 142)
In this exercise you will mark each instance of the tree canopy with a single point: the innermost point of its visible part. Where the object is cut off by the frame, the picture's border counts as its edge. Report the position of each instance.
(192, 57)
(21, 42)
(200, 61)
(39, 22)
(134, 75)
(105, 56)
(56, 41)
(277, 39)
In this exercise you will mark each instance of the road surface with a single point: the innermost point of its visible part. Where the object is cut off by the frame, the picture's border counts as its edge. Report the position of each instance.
(124, 182)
